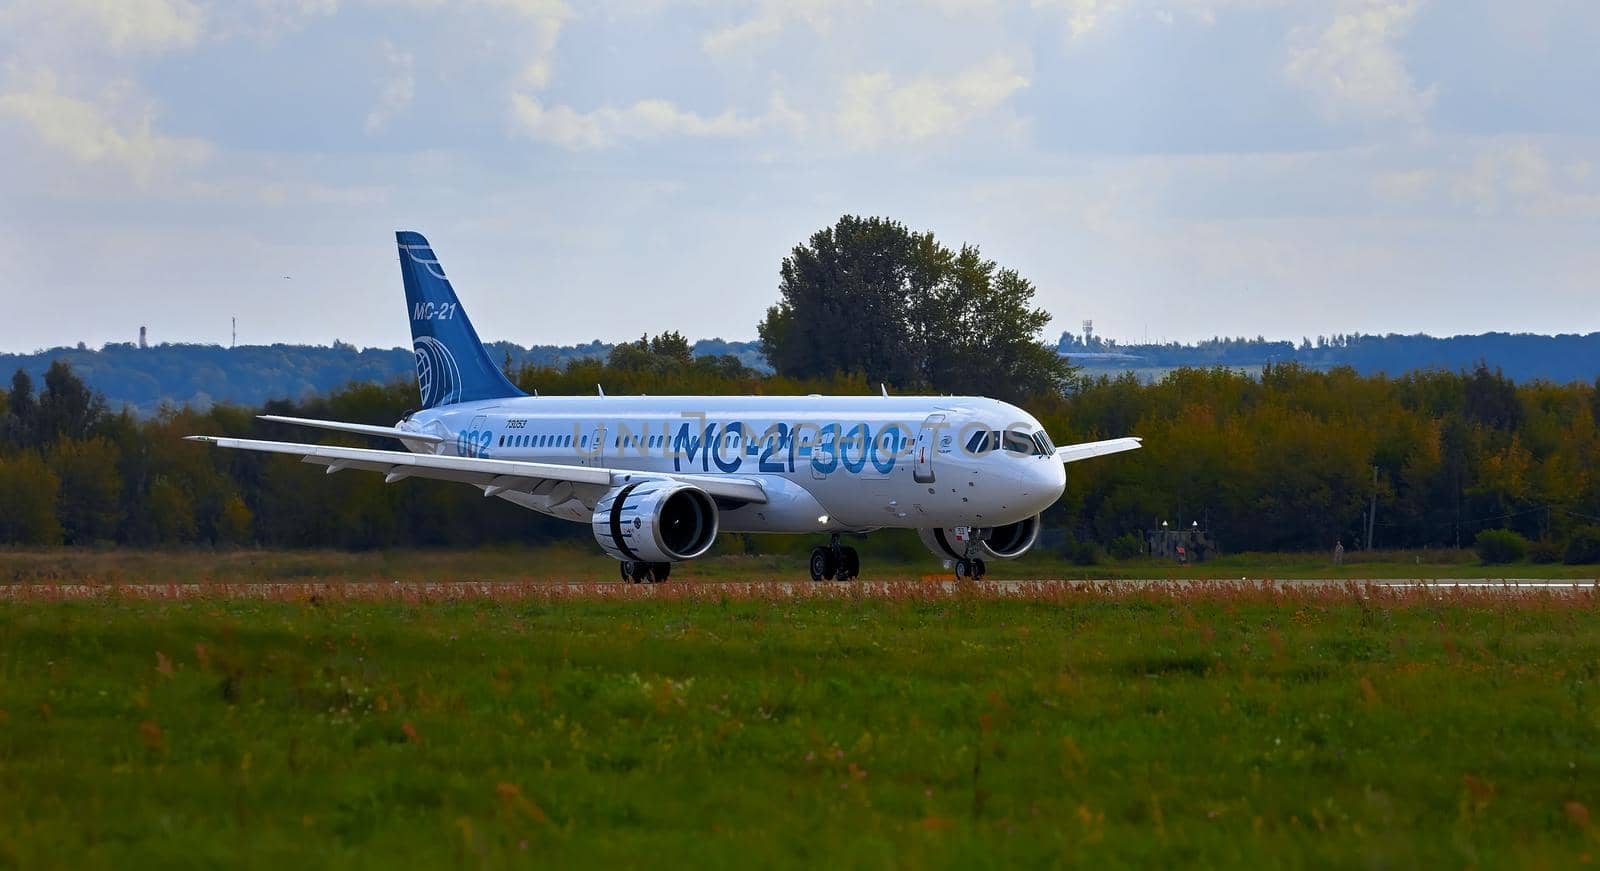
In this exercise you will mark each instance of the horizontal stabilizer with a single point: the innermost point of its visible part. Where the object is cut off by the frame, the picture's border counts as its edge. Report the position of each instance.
(357, 428)
(1074, 453)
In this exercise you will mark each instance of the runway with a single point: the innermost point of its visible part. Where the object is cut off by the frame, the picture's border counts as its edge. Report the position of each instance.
(468, 590)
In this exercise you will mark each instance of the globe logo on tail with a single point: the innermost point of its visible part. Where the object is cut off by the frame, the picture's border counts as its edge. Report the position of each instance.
(438, 376)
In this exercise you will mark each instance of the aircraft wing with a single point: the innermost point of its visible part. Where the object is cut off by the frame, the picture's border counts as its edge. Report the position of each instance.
(1074, 453)
(492, 476)
(358, 428)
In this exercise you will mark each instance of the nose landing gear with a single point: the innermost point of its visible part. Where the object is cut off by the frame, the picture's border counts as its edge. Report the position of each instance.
(835, 562)
(970, 566)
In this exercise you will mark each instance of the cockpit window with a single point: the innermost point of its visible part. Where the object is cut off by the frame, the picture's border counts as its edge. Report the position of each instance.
(981, 442)
(1017, 442)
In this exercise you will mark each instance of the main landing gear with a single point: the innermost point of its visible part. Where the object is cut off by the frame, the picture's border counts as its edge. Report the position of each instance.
(645, 573)
(835, 562)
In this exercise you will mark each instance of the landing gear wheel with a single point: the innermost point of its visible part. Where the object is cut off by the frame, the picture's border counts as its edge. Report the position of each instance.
(963, 569)
(979, 569)
(660, 572)
(849, 564)
(822, 564)
(630, 571)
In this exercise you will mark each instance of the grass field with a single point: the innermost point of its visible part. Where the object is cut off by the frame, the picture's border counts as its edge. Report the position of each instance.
(1201, 724)
(884, 556)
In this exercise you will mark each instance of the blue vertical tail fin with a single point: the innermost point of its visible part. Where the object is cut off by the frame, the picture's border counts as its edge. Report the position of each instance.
(452, 364)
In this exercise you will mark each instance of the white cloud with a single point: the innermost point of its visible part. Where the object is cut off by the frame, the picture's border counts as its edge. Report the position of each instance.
(1086, 17)
(398, 88)
(543, 18)
(1352, 66)
(1520, 178)
(608, 126)
(1083, 16)
(875, 110)
(117, 128)
(269, 19)
(123, 26)
(770, 19)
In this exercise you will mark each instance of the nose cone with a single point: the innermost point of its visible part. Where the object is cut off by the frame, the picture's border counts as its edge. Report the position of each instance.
(1039, 482)
(1049, 480)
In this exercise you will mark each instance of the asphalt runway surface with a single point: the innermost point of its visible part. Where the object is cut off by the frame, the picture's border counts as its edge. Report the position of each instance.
(486, 589)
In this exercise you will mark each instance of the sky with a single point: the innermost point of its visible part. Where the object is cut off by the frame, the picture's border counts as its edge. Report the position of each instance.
(1172, 169)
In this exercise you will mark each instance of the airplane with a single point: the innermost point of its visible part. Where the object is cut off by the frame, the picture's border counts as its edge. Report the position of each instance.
(657, 478)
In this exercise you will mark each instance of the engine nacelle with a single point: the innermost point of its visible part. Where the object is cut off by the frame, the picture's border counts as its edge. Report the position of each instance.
(655, 521)
(994, 542)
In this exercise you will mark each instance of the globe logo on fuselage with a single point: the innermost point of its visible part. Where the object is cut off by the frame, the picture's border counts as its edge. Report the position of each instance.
(438, 377)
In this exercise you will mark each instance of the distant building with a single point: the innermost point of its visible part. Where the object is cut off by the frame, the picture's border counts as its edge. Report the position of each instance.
(1190, 545)
(141, 338)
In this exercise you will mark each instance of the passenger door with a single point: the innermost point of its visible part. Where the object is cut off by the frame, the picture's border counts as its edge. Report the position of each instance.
(595, 455)
(922, 470)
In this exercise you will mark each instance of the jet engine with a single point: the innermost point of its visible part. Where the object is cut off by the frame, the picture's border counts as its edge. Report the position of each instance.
(655, 521)
(993, 542)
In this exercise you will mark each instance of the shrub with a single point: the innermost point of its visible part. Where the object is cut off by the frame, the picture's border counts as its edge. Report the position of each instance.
(1496, 546)
(1583, 547)
(1126, 546)
(1080, 553)
(1544, 551)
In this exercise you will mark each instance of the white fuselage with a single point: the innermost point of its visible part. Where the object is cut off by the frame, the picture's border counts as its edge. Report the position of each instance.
(827, 463)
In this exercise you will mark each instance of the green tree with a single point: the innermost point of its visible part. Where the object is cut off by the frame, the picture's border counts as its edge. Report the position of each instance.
(91, 488)
(666, 352)
(234, 522)
(28, 509)
(869, 296)
(21, 409)
(172, 511)
(67, 407)
(672, 346)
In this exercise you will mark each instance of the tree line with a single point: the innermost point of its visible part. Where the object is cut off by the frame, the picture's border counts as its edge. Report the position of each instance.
(1283, 461)
(199, 375)
(1522, 356)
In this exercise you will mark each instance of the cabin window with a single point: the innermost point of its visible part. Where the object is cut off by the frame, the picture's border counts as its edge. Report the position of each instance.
(502, 441)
